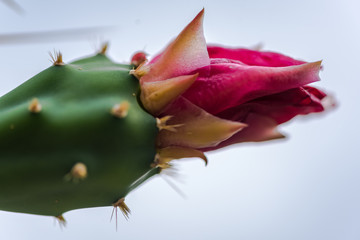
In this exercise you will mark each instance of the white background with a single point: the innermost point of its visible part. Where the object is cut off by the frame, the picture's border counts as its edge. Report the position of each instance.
(303, 188)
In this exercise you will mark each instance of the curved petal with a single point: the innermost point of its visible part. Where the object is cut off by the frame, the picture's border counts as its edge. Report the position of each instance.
(182, 56)
(280, 107)
(316, 92)
(155, 96)
(260, 128)
(230, 84)
(252, 57)
(168, 154)
(194, 128)
(264, 114)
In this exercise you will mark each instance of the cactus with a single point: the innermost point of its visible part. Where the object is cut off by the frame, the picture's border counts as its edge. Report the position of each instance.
(86, 133)
(74, 136)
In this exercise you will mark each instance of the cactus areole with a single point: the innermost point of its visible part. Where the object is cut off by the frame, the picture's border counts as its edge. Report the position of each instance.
(84, 134)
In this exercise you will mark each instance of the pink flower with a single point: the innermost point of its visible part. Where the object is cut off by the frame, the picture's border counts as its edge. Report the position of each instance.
(208, 97)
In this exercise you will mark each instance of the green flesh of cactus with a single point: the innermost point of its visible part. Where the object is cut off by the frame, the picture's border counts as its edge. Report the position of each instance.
(38, 150)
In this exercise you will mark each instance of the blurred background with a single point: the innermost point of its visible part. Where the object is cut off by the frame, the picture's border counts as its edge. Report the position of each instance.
(304, 187)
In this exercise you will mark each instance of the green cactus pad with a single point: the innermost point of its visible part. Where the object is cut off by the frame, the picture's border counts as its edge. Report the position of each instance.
(39, 147)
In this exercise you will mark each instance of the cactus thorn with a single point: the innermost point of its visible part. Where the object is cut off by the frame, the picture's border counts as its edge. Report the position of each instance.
(173, 185)
(120, 110)
(123, 208)
(61, 220)
(35, 106)
(56, 58)
(104, 48)
(161, 124)
(77, 172)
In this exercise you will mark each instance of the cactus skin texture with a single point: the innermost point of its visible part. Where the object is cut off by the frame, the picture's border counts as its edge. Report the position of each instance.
(74, 136)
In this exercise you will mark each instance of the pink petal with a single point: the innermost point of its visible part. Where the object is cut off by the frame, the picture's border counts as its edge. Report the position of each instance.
(195, 128)
(264, 114)
(252, 57)
(182, 56)
(280, 107)
(230, 84)
(316, 92)
(262, 128)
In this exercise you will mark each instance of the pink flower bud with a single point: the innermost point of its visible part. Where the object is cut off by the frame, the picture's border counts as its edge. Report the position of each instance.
(237, 95)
